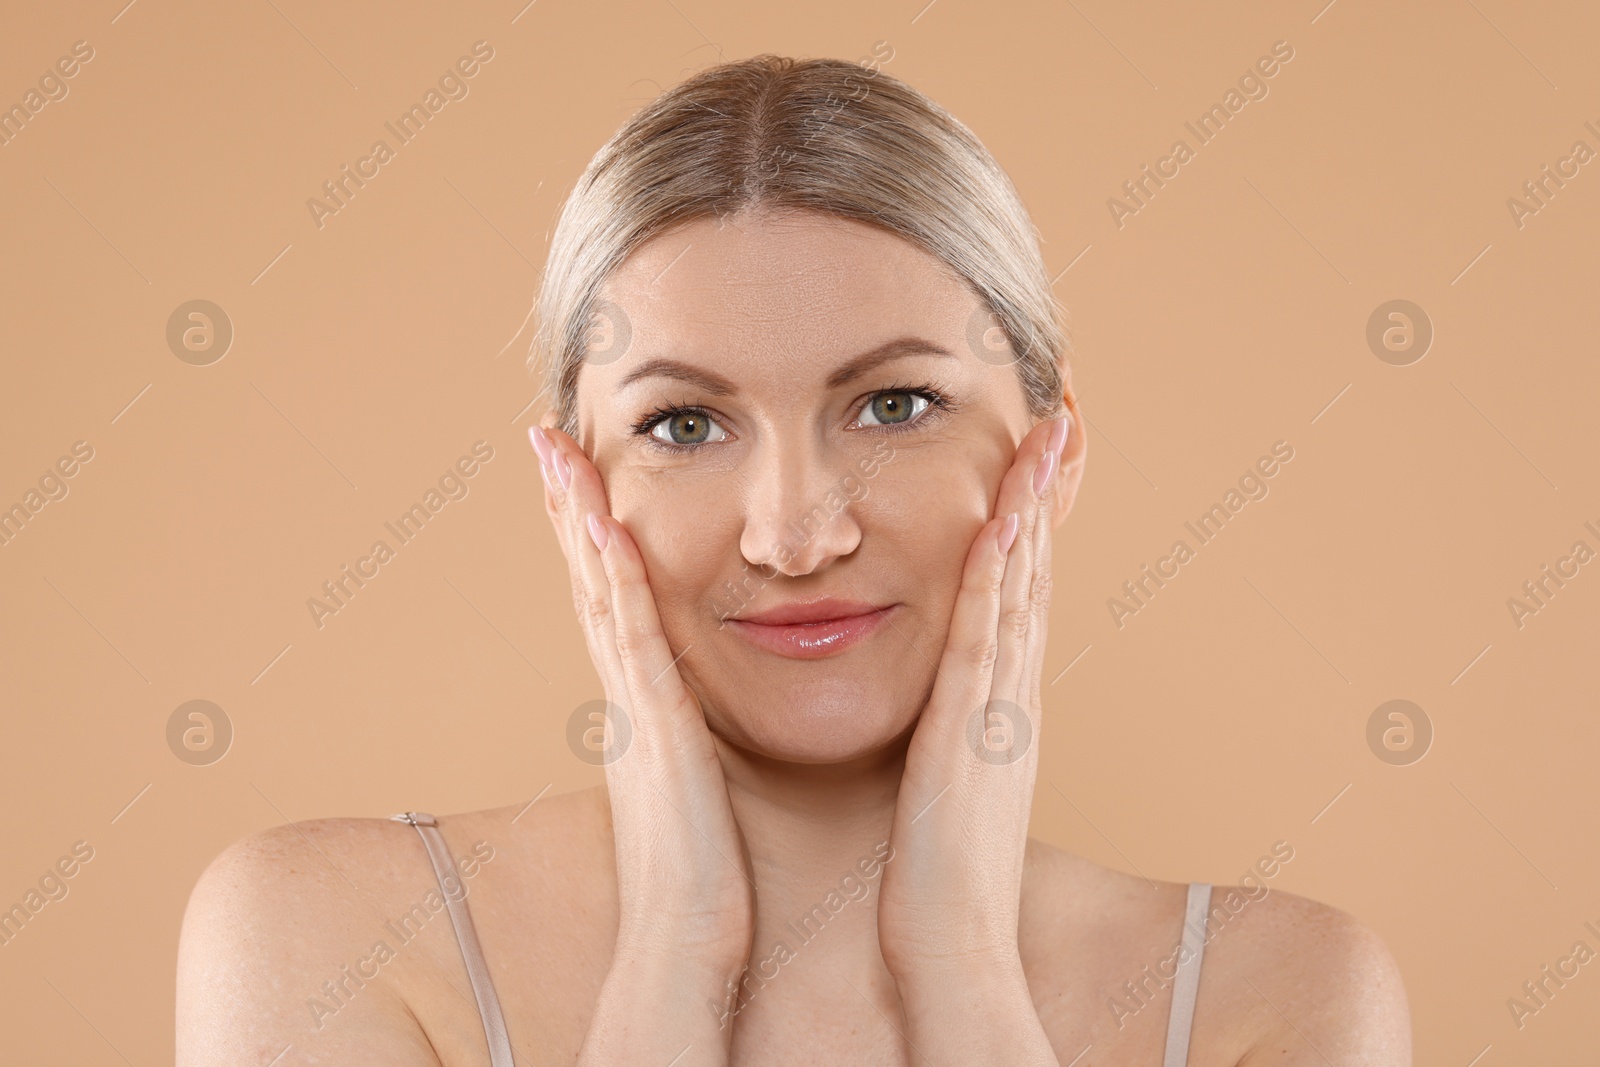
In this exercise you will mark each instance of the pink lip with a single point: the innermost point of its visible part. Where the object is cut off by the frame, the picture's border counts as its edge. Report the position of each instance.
(817, 609)
(811, 640)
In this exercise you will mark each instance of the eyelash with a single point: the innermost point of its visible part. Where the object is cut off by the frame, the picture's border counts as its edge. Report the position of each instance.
(939, 406)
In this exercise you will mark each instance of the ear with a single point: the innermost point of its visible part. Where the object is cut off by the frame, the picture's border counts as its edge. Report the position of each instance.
(1073, 454)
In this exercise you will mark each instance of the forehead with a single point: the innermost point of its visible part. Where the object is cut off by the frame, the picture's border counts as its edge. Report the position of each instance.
(771, 293)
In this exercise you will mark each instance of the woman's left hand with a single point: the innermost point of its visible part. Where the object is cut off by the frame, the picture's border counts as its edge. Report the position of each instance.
(950, 895)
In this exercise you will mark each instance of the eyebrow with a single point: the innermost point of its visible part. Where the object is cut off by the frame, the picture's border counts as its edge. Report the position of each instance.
(716, 385)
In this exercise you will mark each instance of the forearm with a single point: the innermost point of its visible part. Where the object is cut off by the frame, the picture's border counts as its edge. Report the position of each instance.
(975, 1017)
(659, 1010)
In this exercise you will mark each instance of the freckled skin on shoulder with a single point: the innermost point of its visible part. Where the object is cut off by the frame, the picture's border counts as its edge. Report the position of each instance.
(272, 919)
(279, 941)
(1327, 988)
(546, 908)
(282, 913)
(1285, 980)
(1087, 930)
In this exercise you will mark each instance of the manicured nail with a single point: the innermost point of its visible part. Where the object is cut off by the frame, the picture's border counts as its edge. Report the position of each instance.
(544, 472)
(541, 443)
(563, 470)
(1008, 533)
(597, 532)
(1058, 434)
(1041, 474)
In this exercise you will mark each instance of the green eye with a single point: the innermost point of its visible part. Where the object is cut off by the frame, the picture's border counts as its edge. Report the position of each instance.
(687, 428)
(886, 409)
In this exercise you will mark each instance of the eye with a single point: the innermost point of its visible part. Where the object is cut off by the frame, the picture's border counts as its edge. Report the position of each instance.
(687, 428)
(891, 408)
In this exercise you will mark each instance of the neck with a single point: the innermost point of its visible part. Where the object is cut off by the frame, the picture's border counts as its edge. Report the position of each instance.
(817, 835)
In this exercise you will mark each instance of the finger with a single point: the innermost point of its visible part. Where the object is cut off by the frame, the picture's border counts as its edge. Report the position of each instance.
(1042, 585)
(975, 643)
(973, 648)
(577, 490)
(553, 508)
(1025, 594)
(648, 664)
(967, 664)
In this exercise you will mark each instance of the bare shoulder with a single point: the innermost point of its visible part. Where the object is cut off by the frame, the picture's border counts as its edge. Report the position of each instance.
(332, 936)
(1286, 980)
(273, 928)
(1311, 981)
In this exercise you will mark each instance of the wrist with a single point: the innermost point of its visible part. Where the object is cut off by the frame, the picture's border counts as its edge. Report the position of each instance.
(980, 1012)
(655, 1008)
(999, 972)
(675, 965)
(684, 950)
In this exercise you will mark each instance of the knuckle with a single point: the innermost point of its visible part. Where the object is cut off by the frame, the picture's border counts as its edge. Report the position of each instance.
(993, 580)
(596, 609)
(622, 579)
(981, 656)
(1040, 588)
(1014, 622)
(632, 641)
(983, 574)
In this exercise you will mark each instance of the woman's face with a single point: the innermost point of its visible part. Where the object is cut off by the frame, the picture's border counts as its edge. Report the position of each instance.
(767, 447)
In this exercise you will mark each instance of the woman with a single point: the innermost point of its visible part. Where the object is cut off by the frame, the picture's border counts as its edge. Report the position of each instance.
(810, 435)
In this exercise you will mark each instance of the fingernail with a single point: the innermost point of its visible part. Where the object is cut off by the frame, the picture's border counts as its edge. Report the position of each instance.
(1058, 434)
(544, 472)
(541, 443)
(1008, 533)
(597, 532)
(1041, 475)
(563, 470)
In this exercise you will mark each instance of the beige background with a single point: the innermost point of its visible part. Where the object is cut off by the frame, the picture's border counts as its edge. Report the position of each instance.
(1227, 314)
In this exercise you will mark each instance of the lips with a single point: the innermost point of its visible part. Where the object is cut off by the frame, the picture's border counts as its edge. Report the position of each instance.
(811, 629)
(822, 609)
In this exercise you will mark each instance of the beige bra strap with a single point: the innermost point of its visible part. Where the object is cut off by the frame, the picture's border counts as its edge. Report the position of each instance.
(1187, 983)
(444, 869)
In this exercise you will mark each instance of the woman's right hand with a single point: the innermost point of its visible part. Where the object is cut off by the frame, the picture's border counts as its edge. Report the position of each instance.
(683, 878)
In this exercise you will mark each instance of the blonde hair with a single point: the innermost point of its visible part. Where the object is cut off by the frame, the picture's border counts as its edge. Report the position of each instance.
(824, 135)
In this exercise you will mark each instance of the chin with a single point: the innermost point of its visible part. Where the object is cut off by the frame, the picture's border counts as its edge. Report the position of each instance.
(813, 713)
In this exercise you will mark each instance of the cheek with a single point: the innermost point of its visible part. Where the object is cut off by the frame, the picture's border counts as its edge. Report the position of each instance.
(918, 515)
(924, 511)
(687, 530)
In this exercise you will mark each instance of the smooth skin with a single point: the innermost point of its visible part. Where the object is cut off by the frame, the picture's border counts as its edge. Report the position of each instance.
(615, 919)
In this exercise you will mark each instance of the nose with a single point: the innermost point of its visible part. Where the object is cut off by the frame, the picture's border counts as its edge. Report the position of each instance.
(800, 515)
